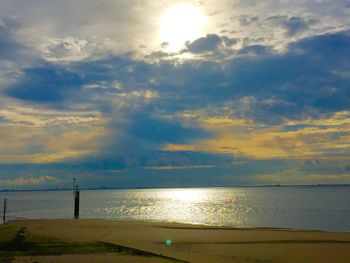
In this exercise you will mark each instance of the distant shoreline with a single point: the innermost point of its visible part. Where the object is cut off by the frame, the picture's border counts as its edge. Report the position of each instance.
(178, 187)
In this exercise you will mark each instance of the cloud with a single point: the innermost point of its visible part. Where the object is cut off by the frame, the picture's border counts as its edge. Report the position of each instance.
(268, 92)
(247, 20)
(41, 117)
(332, 47)
(179, 167)
(106, 26)
(163, 131)
(297, 177)
(229, 42)
(324, 138)
(293, 25)
(255, 50)
(178, 147)
(8, 45)
(142, 100)
(45, 84)
(30, 181)
(209, 43)
(34, 145)
(158, 55)
(40, 135)
(67, 49)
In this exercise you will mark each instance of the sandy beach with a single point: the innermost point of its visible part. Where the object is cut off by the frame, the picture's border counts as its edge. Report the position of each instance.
(191, 243)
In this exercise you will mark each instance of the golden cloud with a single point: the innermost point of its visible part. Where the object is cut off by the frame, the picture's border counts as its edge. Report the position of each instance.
(247, 138)
(34, 136)
(178, 147)
(186, 167)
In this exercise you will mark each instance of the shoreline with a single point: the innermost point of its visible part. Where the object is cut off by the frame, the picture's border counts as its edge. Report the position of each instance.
(189, 224)
(196, 243)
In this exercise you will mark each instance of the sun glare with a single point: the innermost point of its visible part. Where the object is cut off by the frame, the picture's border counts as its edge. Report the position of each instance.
(181, 23)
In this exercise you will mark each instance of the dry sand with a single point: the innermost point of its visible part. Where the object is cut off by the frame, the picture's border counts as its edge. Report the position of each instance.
(90, 258)
(196, 243)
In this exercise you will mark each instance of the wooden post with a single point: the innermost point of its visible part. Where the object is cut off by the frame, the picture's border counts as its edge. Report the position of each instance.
(76, 203)
(76, 194)
(5, 206)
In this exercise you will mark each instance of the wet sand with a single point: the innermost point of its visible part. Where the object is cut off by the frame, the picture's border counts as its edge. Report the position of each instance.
(193, 243)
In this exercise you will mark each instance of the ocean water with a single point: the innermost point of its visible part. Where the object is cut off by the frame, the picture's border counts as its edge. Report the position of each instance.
(314, 208)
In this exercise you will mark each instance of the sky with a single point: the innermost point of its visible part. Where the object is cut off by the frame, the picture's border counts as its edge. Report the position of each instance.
(128, 93)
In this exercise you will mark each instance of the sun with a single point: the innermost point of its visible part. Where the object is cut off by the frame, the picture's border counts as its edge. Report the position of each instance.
(181, 23)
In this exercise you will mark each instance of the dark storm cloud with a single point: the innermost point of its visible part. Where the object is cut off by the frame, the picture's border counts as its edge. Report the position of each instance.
(299, 83)
(153, 159)
(333, 48)
(142, 141)
(45, 84)
(162, 131)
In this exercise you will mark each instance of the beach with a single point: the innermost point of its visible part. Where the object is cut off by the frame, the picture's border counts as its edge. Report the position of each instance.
(189, 243)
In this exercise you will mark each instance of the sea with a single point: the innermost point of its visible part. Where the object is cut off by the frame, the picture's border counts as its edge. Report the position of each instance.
(325, 208)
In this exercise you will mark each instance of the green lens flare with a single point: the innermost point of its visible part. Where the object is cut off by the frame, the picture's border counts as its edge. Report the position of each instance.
(168, 242)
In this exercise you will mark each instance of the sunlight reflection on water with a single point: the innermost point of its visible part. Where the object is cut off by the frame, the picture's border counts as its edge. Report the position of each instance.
(183, 205)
